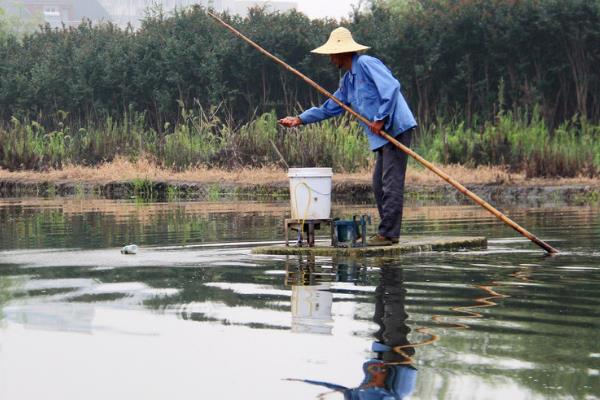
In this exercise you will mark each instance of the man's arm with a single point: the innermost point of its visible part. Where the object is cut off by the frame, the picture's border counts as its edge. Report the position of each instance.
(315, 114)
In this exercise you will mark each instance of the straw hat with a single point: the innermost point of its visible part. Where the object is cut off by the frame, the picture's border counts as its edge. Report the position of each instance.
(340, 41)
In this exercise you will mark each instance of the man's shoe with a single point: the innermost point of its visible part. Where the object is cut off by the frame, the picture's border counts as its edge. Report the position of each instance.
(378, 240)
(395, 240)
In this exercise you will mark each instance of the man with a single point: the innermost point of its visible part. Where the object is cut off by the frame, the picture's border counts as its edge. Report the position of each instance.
(370, 89)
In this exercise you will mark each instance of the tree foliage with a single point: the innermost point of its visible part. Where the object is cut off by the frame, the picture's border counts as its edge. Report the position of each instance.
(451, 56)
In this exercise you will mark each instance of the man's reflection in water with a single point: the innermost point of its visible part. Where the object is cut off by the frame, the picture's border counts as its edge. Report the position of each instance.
(390, 374)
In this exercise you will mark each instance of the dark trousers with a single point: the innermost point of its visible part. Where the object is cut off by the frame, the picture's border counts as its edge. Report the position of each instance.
(388, 185)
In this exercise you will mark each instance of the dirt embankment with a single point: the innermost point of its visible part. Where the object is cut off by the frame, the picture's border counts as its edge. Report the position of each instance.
(123, 179)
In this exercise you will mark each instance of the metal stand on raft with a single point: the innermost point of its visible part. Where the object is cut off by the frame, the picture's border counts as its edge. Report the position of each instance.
(344, 233)
(305, 229)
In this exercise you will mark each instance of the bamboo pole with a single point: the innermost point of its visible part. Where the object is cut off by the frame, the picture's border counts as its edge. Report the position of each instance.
(396, 143)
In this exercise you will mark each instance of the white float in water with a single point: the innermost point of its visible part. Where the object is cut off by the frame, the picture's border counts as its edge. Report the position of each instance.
(310, 192)
(129, 249)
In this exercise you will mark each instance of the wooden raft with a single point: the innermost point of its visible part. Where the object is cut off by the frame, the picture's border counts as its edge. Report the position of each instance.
(408, 244)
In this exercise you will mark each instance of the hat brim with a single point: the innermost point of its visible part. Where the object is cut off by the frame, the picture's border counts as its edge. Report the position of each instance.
(339, 49)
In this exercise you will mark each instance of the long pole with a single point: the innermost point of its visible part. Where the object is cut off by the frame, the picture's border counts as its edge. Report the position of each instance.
(396, 143)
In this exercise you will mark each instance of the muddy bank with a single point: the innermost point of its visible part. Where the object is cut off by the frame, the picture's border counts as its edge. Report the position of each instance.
(344, 191)
(143, 179)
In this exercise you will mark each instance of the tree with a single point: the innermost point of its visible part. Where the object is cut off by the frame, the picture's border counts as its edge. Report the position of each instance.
(15, 20)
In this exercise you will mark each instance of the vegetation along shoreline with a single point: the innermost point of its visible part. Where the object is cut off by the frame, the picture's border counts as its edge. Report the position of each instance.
(142, 179)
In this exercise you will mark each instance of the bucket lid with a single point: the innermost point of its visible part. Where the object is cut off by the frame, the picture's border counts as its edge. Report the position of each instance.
(310, 173)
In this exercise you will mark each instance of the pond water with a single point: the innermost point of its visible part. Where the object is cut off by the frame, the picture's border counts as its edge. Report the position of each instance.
(194, 315)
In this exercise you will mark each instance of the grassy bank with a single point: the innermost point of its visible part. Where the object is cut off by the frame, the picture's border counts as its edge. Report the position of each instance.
(518, 142)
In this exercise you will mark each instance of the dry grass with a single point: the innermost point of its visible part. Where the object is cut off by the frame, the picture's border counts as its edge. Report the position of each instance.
(470, 176)
(122, 170)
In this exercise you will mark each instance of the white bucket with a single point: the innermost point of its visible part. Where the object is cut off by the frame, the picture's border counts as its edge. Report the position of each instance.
(310, 192)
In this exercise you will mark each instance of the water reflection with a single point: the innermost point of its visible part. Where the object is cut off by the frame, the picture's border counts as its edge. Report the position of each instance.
(311, 299)
(390, 373)
(466, 312)
(159, 317)
(312, 292)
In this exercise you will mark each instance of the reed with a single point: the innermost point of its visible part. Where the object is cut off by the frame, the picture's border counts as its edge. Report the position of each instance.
(519, 141)
(338, 142)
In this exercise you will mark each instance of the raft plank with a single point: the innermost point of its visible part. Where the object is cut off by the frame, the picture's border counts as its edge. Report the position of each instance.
(408, 244)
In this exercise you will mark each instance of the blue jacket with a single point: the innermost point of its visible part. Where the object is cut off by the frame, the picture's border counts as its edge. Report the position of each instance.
(372, 91)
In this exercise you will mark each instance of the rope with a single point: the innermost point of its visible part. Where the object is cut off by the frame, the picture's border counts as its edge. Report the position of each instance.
(308, 203)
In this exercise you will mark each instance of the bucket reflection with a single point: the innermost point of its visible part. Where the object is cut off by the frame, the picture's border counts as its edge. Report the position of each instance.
(311, 309)
(310, 279)
(311, 296)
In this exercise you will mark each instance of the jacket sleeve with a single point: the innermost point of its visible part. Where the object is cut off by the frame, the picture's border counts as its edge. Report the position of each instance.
(329, 109)
(387, 87)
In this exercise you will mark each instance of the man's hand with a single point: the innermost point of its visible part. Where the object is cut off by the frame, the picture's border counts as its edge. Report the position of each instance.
(376, 126)
(290, 122)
